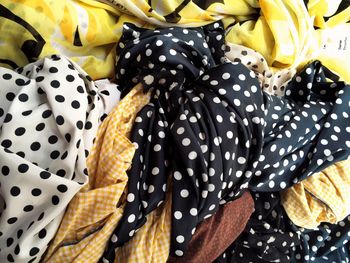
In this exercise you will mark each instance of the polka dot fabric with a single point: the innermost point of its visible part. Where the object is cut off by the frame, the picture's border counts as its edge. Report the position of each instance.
(271, 237)
(211, 128)
(49, 113)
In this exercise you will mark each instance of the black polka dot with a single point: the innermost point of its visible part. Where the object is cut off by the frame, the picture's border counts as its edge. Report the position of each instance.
(54, 154)
(7, 76)
(60, 120)
(39, 79)
(5, 170)
(78, 143)
(41, 216)
(75, 104)
(9, 241)
(6, 143)
(32, 260)
(8, 118)
(42, 233)
(68, 137)
(40, 126)
(88, 125)
(28, 208)
(105, 92)
(41, 91)
(19, 233)
(36, 192)
(12, 220)
(80, 89)
(59, 98)
(80, 125)
(46, 114)
(88, 78)
(10, 96)
(1, 112)
(30, 225)
(35, 146)
(55, 84)
(55, 200)
(20, 131)
(26, 113)
(61, 173)
(70, 66)
(23, 97)
(21, 154)
(10, 258)
(55, 57)
(93, 93)
(62, 188)
(17, 249)
(70, 78)
(85, 171)
(53, 139)
(103, 117)
(15, 191)
(34, 251)
(22, 168)
(20, 82)
(53, 70)
(45, 175)
(64, 155)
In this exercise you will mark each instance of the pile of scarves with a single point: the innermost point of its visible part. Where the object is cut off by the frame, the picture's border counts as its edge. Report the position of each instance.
(174, 131)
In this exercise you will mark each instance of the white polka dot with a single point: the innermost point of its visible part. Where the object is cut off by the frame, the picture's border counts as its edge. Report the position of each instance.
(249, 108)
(193, 211)
(155, 171)
(148, 79)
(131, 233)
(283, 185)
(157, 148)
(226, 76)
(298, 79)
(114, 238)
(211, 187)
(159, 43)
(172, 52)
(273, 148)
(254, 89)
(236, 87)
(178, 215)
(180, 130)
(219, 118)
(271, 184)
(237, 102)
(162, 58)
(192, 155)
(241, 77)
(214, 82)
(186, 142)
(184, 193)
(130, 197)
(180, 239)
(241, 160)
(127, 55)
(179, 253)
(212, 207)
(222, 91)
(308, 71)
(148, 52)
(131, 218)
(216, 100)
(150, 189)
(177, 175)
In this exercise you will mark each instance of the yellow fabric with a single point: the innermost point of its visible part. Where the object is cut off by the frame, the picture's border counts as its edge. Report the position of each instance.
(323, 197)
(321, 9)
(56, 24)
(93, 213)
(192, 13)
(151, 244)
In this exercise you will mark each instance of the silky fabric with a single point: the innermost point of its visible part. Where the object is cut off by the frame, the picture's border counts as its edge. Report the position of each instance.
(184, 13)
(273, 82)
(220, 135)
(216, 233)
(49, 114)
(271, 237)
(94, 212)
(86, 31)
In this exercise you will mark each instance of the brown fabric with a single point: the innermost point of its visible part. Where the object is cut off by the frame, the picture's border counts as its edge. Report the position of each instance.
(216, 233)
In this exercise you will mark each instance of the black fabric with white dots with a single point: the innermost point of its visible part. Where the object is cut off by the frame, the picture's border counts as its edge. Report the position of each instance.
(211, 128)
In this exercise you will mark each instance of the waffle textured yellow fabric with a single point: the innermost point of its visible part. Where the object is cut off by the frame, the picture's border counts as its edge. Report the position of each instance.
(95, 211)
(323, 197)
(152, 241)
(85, 31)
